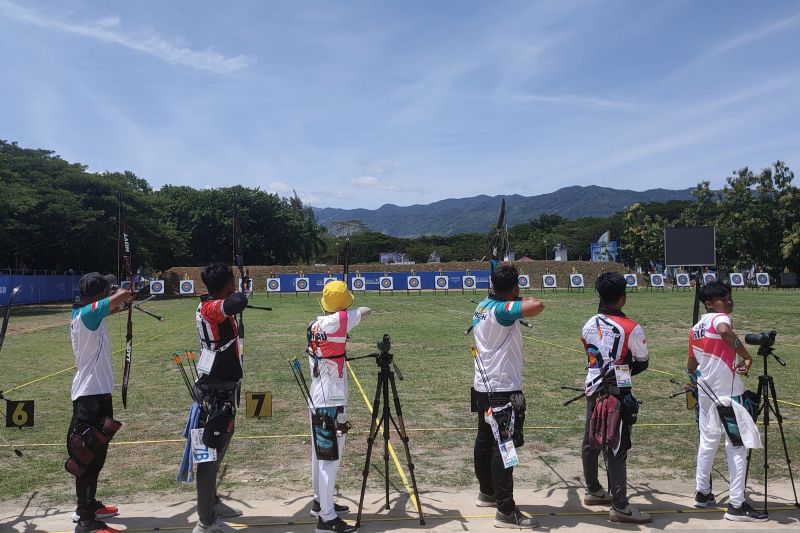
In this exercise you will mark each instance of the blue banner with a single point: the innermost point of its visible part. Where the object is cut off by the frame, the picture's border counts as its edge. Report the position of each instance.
(39, 289)
(372, 280)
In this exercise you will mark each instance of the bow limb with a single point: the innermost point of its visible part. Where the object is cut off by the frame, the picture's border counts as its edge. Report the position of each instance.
(7, 315)
(126, 264)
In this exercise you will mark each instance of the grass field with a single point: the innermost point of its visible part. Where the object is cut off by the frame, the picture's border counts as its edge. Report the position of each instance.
(270, 456)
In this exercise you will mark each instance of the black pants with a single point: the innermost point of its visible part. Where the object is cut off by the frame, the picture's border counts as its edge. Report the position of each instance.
(615, 465)
(206, 478)
(493, 478)
(90, 410)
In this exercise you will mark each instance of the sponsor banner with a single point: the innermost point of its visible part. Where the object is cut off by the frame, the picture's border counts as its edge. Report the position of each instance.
(736, 279)
(187, 286)
(273, 285)
(386, 283)
(358, 283)
(656, 280)
(576, 281)
(682, 280)
(549, 281)
(156, 286)
(524, 281)
(631, 280)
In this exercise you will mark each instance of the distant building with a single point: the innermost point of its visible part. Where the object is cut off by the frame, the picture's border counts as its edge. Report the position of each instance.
(560, 252)
(396, 258)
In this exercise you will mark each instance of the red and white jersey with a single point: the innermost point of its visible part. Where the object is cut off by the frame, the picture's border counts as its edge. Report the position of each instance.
(329, 342)
(218, 332)
(715, 357)
(612, 340)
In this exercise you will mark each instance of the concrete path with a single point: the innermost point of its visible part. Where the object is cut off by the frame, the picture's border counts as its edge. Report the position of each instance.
(555, 508)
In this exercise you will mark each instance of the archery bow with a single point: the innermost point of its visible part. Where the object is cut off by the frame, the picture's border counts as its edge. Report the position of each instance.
(496, 240)
(7, 315)
(126, 259)
(346, 270)
(238, 260)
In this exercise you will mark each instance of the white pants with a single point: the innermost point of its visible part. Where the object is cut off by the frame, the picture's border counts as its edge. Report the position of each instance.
(737, 459)
(323, 479)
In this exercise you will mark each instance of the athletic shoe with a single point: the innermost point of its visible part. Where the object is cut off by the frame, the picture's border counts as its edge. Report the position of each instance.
(597, 497)
(628, 515)
(223, 510)
(484, 500)
(702, 501)
(101, 511)
(745, 513)
(316, 508)
(94, 526)
(514, 520)
(337, 525)
(217, 527)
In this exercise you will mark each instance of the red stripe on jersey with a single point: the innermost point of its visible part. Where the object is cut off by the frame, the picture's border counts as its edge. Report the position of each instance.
(627, 325)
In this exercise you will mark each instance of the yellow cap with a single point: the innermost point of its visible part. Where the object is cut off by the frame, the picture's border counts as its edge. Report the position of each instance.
(335, 297)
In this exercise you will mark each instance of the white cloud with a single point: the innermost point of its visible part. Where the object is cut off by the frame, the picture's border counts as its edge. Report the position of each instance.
(107, 30)
(279, 187)
(371, 182)
(382, 166)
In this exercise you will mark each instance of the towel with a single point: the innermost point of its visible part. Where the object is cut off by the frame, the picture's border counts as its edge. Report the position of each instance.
(185, 470)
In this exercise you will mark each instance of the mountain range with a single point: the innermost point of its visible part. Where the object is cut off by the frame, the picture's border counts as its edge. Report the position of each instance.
(477, 214)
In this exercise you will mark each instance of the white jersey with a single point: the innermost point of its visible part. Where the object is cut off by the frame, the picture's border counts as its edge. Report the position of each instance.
(329, 342)
(715, 357)
(499, 343)
(92, 347)
(610, 340)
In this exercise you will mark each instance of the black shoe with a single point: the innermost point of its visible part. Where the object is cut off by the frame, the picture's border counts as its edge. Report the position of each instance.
(745, 513)
(337, 525)
(701, 501)
(94, 526)
(316, 508)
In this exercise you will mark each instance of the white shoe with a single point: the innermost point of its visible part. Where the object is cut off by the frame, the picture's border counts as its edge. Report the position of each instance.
(217, 527)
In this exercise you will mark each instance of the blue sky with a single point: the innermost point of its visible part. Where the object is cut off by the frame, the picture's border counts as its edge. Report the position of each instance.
(356, 104)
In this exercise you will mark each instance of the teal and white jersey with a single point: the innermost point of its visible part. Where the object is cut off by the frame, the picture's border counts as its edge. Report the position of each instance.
(92, 347)
(499, 343)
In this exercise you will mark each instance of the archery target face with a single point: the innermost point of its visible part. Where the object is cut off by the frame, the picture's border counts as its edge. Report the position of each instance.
(576, 280)
(441, 282)
(682, 280)
(549, 280)
(387, 283)
(630, 280)
(468, 282)
(328, 280)
(737, 279)
(524, 281)
(413, 282)
(187, 287)
(301, 284)
(273, 284)
(157, 287)
(358, 284)
(762, 279)
(709, 277)
(656, 280)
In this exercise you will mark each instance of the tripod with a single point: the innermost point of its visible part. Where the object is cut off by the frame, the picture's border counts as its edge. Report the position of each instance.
(766, 388)
(381, 416)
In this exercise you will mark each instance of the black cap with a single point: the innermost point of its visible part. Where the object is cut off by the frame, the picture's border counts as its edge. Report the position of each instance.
(94, 283)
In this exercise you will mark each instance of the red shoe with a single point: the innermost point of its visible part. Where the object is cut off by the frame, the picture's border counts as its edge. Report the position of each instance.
(101, 511)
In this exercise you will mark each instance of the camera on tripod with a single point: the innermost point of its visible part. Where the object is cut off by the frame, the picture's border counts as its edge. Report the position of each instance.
(385, 344)
(761, 339)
